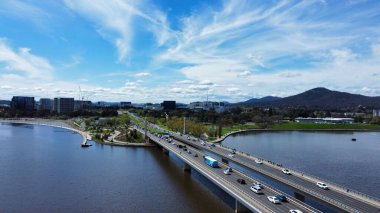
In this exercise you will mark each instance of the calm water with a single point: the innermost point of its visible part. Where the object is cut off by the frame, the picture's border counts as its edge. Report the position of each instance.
(44, 169)
(329, 155)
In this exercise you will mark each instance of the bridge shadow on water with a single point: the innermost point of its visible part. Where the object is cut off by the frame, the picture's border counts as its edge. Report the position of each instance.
(190, 184)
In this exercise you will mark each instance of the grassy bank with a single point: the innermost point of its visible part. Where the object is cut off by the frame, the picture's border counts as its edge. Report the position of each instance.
(315, 126)
(238, 127)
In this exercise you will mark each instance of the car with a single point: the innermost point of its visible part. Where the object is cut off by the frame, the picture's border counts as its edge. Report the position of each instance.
(258, 161)
(213, 145)
(233, 151)
(203, 144)
(295, 211)
(322, 185)
(256, 189)
(281, 198)
(229, 169)
(273, 199)
(286, 171)
(188, 151)
(231, 155)
(184, 149)
(226, 172)
(196, 155)
(258, 185)
(174, 143)
(241, 181)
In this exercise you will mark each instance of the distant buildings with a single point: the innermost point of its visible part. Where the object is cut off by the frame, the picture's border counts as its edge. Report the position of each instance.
(376, 113)
(64, 105)
(82, 105)
(208, 105)
(168, 105)
(22, 103)
(124, 104)
(46, 104)
(325, 120)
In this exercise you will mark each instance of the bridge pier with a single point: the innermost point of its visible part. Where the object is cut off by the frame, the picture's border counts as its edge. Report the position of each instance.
(240, 208)
(165, 151)
(186, 167)
(224, 160)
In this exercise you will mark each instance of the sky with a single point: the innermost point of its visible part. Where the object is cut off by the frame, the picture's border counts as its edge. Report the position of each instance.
(187, 50)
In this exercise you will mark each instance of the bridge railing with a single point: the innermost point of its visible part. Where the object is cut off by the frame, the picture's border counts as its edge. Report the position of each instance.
(315, 178)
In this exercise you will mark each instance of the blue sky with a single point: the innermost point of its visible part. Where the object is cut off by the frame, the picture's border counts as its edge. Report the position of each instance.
(186, 50)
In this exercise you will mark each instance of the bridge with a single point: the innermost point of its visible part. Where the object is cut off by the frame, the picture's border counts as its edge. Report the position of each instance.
(342, 198)
(245, 199)
(338, 196)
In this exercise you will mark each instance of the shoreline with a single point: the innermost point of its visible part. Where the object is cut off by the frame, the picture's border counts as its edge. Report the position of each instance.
(221, 139)
(63, 124)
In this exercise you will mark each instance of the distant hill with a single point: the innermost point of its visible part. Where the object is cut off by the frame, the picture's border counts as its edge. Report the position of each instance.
(323, 98)
(260, 100)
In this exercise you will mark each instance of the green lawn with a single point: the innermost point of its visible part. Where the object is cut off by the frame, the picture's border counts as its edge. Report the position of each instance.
(237, 127)
(143, 125)
(312, 126)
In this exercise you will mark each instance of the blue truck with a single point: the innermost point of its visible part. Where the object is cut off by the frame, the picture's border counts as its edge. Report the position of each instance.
(210, 161)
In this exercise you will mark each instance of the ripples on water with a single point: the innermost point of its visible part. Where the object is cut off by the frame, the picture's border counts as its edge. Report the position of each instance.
(44, 169)
(330, 155)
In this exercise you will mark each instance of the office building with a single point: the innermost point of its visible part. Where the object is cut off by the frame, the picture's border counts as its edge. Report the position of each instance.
(45, 104)
(64, 105)
(22, 103)
(168, 105)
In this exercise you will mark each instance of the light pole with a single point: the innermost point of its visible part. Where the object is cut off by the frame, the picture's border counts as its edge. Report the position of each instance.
(184, 125)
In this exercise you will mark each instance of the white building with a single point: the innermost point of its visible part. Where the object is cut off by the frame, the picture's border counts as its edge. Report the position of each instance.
(208, 105)
(376, 113)
(325, 120)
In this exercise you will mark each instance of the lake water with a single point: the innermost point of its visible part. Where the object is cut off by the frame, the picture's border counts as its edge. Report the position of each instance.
(330, 155)
(44, 169)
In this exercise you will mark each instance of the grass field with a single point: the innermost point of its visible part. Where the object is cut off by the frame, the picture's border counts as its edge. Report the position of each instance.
(237, 127)
(314, 126)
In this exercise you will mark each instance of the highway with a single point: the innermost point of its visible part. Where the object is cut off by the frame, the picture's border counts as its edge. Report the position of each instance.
(346, 201)
(255, 202)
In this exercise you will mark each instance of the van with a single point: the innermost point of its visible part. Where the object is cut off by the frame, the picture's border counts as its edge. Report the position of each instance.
(256, 189)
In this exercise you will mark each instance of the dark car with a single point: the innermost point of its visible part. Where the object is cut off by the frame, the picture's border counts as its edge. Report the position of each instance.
(213, 145)
(184, 149)
(282, 198)
(195, 155)
(241, 181)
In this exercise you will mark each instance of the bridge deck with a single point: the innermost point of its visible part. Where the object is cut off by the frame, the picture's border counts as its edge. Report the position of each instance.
(334, 196)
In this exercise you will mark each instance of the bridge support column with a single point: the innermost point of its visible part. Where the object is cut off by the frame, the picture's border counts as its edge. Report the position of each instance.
(165, 151)
(186, 167)
(224, 160)
(240, 208)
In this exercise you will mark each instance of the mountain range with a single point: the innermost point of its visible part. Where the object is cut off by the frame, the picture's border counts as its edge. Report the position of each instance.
(317, 98)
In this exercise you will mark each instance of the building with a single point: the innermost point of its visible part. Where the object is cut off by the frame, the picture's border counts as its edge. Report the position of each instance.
(23, 103)
(376, 113)
(325, 120)
(64, 105)
(125, 104)
(208, 105)
(45, 104)
(152, 106)
(168, 105)
(82, 105)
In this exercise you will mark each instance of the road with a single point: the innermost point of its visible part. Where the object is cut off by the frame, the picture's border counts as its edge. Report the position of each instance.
(230, 181)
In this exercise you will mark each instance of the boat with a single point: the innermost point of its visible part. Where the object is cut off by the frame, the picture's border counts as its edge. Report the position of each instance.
(85, 145)
(353, 139)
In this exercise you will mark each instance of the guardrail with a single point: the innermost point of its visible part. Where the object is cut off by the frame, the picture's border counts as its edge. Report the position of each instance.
(316, 179)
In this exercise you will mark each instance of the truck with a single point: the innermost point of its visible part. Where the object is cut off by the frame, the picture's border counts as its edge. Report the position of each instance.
(210, 161)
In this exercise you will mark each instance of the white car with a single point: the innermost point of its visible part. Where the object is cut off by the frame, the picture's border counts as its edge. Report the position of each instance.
(203, 144)
(273, 199)
(322, 185)
(226, 172)
(295, 211)
(259, 185)
(286, 171)
(231, 155)
(258, 161)
(256, 189)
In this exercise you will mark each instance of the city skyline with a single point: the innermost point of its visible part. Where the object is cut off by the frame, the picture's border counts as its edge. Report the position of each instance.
(150, 51)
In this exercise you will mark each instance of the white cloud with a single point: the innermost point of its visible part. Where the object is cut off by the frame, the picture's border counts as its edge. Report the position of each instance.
(185, 82)
(244, 73)
(115, 20)
(142, 74)
(23, 61)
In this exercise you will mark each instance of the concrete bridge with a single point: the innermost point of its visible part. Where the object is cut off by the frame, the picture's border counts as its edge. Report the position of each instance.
(246, 200)
(338, 196)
